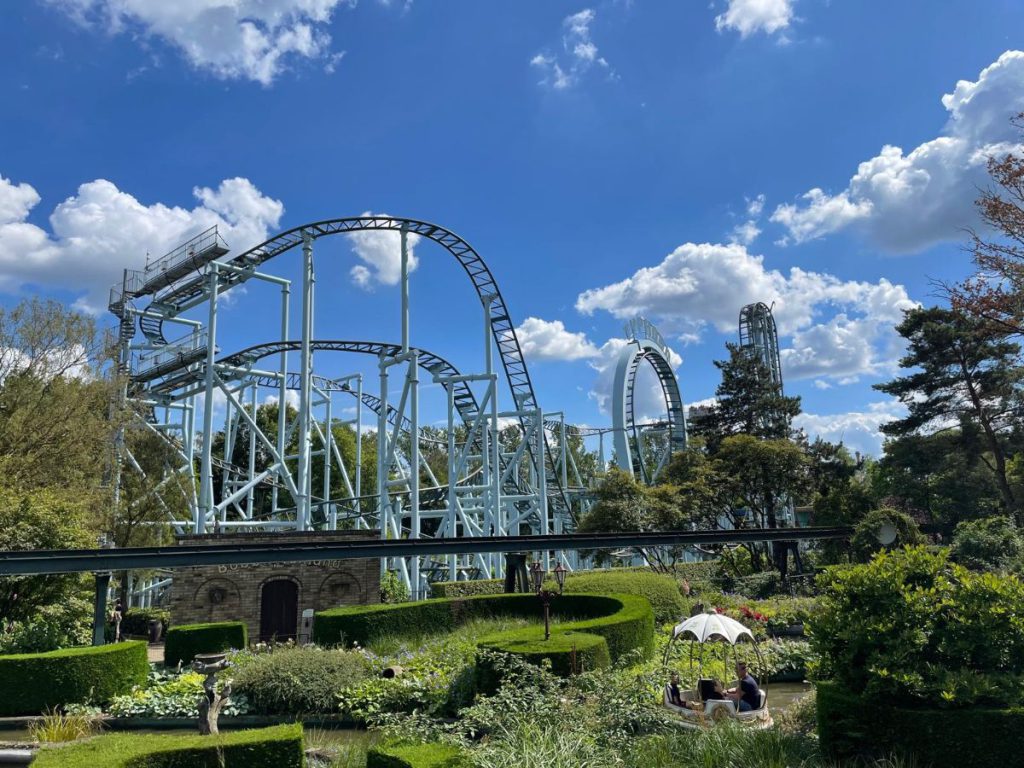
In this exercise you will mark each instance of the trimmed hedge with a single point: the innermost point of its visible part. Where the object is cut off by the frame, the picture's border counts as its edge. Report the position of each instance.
(277, 747)
(851, 726)
(185, 641)
(34, 682)
(619, 624)
(661, 591)
(415, 756)
(467, 588)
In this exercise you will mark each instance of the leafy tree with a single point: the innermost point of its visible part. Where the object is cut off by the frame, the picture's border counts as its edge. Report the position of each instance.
(625, 506)
(55, 427)
(760, 476)
(939, 478)
(40, 519)
(961, 374)
(747, 402)
(994, 292)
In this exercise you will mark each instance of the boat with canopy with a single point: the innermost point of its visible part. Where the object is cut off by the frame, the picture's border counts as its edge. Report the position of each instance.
(703, 706)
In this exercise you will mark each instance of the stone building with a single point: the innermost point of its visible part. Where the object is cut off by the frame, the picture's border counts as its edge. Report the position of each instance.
(271, 597)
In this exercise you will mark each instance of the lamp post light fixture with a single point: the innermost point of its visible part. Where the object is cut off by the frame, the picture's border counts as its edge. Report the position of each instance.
(537, 574)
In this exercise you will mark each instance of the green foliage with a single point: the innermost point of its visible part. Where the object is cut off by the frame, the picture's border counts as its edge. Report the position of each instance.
(858, 726)
(466, 588)
(865, 536)
(726, 746)
(992, 543)
(746, 402)
(760, 585)
(437, 675)
(277, 747)
(912, 627)
(761, 474)
(55, 727)
(185, 641)
(40, 519)
(661, 591)
(392, 588)
(170, 694)
(136, 620)
(625, 622)
(415, 756)
(688, 496)
(961, 368)
(298, 680)
(36, 682)
(65, 624)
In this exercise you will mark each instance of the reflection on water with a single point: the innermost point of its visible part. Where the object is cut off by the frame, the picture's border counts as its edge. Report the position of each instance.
(782, 696)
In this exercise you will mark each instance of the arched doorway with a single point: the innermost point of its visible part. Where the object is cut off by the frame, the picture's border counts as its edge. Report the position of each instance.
(279, 610)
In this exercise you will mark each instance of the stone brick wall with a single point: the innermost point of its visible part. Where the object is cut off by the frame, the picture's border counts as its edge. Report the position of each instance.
(235, 592)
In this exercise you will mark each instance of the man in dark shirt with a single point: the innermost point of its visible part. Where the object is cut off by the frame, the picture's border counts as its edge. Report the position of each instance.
(747, 695)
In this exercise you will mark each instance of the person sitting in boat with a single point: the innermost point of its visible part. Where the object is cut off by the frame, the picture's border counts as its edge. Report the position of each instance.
(675, 696)
(747, 694)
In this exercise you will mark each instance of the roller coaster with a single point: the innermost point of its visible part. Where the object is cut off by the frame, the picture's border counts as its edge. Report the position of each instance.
(508, 468)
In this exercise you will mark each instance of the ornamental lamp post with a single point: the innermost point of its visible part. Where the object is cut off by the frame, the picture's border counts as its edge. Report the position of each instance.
(537, 574)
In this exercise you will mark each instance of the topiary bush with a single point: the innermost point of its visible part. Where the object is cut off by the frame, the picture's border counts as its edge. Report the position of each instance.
(298, 680)
(661, 591)
(416, 756)
(622, 624)
(184, 642)
(34, 682)
(852, 726)
(865, 543)
(467, 588)
(277, 747)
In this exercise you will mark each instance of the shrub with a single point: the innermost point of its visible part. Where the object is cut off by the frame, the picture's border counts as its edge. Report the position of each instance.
(299, 680)
(855, 726)
(55, 727)
(277, 747)
(661, 591)
(168, 694)
(416, 756)
(136, 620)
(912, 627)
(392, 588)
(184, 642)
(865, 536)
(66, 624)
(989, 544)
(759, 586)
(625, 622)
(34, 682)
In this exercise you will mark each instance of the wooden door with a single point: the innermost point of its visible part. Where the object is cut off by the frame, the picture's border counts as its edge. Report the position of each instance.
(279, 610)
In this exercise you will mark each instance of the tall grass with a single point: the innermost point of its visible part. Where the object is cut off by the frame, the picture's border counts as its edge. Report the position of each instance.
(54, 727)
(470, 632)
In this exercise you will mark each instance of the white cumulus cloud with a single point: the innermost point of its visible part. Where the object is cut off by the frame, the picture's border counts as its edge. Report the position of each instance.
(381, 252)
(706, 284)
(100, 230)
(907, 202)
(750, 16)
(579, 54)
(549, 340)
(233, 39)
(858, 430)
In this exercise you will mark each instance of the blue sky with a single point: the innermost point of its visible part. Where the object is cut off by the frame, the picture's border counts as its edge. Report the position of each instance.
(669, 159)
